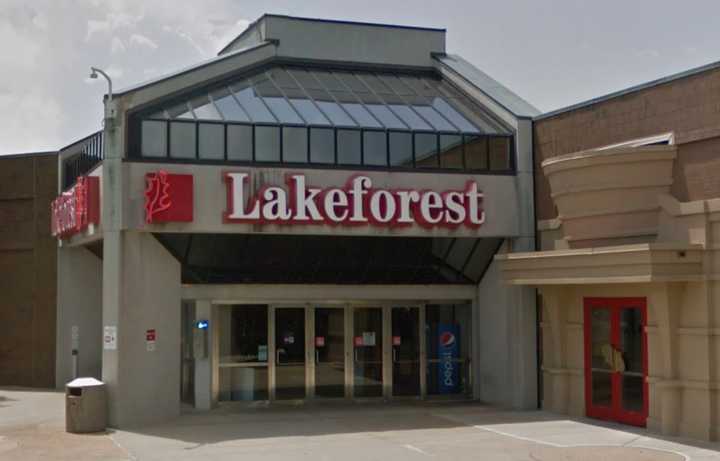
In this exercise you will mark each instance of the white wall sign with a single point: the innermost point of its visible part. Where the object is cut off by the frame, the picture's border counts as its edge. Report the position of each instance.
(110, 338)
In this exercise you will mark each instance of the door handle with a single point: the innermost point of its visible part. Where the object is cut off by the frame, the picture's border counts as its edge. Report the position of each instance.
(277, 356)
(355, 354)
(395, 355)
(317, 357)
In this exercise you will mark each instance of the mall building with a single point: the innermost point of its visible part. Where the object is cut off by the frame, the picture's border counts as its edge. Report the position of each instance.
(310, 215)
(333, 211)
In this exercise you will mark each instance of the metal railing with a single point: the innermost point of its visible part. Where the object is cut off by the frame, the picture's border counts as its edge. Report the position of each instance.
(90, 154)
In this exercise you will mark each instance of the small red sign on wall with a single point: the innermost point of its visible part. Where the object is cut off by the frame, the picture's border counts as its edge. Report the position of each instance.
(319, 341)
(396, 340)
(150, 335)
(168, 197)
(358, 341)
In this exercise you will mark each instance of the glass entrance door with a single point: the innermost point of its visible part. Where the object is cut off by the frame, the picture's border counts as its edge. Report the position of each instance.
(290, 353)
(367, 352)
(616, 359)
(329, 352)
(405, 351)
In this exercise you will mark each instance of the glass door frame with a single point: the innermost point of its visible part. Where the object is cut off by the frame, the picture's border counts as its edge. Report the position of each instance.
(347, 353)
(272, 349)
(615, 412)
(422, 354)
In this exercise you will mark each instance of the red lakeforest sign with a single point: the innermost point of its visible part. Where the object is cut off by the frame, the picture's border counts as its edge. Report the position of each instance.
(75, 210)
(354, 204)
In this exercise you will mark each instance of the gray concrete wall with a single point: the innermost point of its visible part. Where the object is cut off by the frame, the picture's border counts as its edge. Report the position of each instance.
(79, 304)
(505, 361)
(144, 385)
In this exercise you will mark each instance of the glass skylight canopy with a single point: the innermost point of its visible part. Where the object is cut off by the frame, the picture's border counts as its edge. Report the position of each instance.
(290, 114)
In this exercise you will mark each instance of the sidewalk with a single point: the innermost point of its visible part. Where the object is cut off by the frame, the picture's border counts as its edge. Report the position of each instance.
(32, 427)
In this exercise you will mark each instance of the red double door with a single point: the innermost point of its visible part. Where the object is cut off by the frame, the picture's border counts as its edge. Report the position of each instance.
(616, 359)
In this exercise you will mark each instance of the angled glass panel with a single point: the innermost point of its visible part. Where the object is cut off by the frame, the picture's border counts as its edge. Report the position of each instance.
(181, 111)
(451, 151)
(204, 109)
(229, 107)
(396, 84)
(361, 114)
(436, 120)
(295, 144)
(253, 105)
(375, 148)
(401, 153)
(454, 116)
(306, 79)
(410, 118)
(426, 150)
(421, 86)
(386, 117)
(476, 152)
(337, 115)
(328, 80)
(375, 84)
(322, 145)
(281, 78)
(352, 82)
(282, 110)
(309, 112)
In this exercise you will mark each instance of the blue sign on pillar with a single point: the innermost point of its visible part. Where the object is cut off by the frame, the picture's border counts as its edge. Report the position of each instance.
(448, 352)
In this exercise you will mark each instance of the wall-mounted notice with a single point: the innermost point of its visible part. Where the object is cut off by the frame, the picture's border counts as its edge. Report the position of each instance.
(110, 338)
(150, 337)
(368, 338)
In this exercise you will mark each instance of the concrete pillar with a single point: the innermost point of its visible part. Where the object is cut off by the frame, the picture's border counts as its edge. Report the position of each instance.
(204, 367)
(79, 314)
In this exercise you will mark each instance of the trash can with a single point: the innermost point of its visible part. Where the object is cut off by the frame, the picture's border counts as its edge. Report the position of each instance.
(85, 406)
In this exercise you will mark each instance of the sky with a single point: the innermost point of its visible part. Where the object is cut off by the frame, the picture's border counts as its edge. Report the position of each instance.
(553, 53)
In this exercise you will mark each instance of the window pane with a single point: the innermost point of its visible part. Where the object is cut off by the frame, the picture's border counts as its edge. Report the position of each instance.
(374, 148)
(401, 149)
(154, 139)
(204, 109)
(212, 141)
(426, 150)
(451, 151)
(348, 147)
(363, 117)
(295, 144)
(239, 142)
(267, 144)
(375, 84)
(454, 116)
(181, 111)
(499, 153)
(322, 145)
(329, 80)
(229, 108)
(254, 106)
(182, 140)
(310, 113)
(476, 152)
(282, 110)
(432, 116)
(305, 79)
(387, 118)
(410, 118)
(336, 114)
(396, 84)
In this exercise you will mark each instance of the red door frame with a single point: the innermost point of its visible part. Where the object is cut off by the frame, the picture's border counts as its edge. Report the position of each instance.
(615, 412)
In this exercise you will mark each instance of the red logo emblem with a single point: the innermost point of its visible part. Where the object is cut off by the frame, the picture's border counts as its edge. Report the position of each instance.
(168, 197)
(447, 339)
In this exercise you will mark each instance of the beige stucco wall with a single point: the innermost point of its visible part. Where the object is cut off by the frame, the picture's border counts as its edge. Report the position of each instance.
(661, 249)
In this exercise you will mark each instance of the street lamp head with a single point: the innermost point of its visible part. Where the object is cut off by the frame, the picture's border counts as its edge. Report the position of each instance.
(93, 74)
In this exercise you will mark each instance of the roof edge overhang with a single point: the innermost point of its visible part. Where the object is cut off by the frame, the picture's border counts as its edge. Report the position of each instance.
(639, 263)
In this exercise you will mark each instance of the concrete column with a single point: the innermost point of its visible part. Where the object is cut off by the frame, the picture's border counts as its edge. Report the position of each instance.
(205, 367)
(79, 314)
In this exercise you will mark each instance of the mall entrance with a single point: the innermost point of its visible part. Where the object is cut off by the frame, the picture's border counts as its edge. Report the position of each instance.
(345, 350)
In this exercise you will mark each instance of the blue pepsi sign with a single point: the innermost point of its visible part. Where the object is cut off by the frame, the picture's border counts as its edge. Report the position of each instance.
(202, 324)
(448, 352)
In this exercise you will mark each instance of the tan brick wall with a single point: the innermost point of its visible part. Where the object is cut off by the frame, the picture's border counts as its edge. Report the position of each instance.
(28, 270)
(686, 106)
